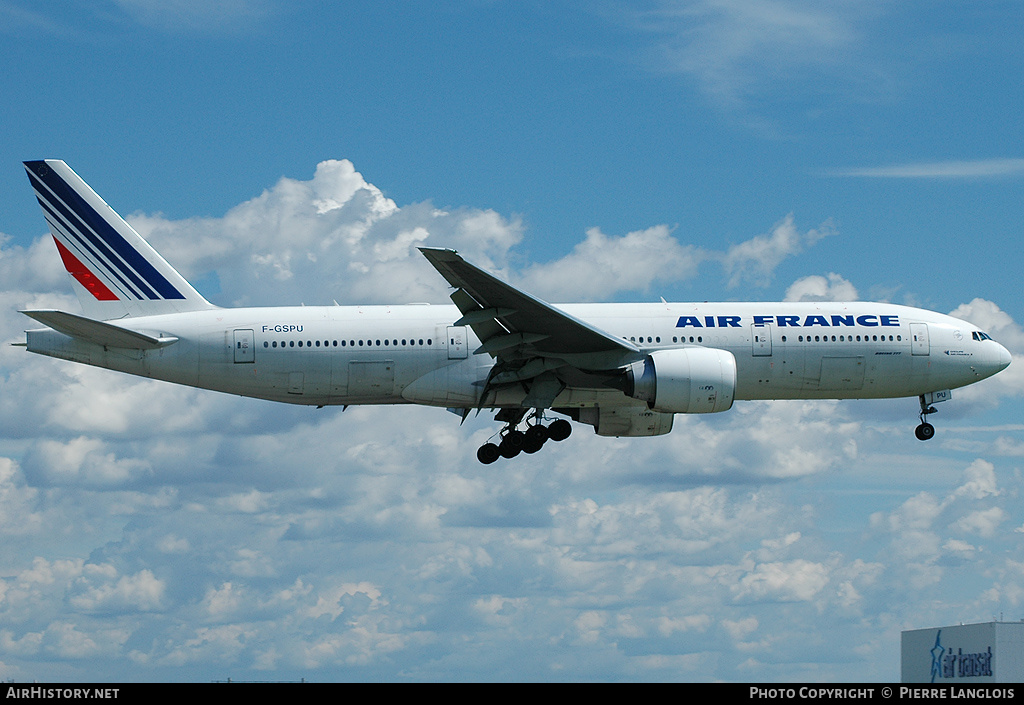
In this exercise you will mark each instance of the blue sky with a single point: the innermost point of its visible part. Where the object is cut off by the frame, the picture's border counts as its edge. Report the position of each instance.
(280, 153)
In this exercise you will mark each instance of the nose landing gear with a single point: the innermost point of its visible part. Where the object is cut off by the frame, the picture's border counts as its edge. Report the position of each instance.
(925, 430)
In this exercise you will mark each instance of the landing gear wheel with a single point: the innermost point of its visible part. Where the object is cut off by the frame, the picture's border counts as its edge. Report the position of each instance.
(537, 433)
(559, 430)
(488, 453)
(534, 438)
(512, 444)
(529, 447)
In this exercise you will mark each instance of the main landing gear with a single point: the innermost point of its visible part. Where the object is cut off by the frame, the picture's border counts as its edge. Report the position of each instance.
(513, 442)
(925, 431)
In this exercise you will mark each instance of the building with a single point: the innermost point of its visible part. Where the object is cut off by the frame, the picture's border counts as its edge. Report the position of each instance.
(965, 654)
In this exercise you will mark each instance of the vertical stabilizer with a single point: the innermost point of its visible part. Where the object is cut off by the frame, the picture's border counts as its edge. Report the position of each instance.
(115, 272)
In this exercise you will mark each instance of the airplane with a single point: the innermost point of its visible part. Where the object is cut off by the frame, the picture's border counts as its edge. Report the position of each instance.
(623, 368)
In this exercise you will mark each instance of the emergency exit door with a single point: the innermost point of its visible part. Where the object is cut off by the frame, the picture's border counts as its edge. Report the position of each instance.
(761, 340)
(457, 343)
(919, 344)
(245, 349)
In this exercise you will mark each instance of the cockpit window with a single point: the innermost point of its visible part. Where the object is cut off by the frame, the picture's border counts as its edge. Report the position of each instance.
(978, 335)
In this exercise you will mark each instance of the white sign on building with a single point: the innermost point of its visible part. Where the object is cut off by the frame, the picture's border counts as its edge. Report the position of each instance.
(966, 654)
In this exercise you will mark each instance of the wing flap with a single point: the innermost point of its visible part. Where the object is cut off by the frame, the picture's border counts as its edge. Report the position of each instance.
(484, 326)
(498, 343)
(543, 391)
(481, 315)
(98, 332)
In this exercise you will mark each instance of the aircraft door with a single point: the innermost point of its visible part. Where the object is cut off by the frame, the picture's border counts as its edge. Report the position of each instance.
(761, 339)
(371, 378)
(457, 343)
(919, 344)
(245, 348)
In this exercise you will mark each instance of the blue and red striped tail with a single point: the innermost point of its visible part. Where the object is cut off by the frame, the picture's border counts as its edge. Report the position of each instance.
(115, 272)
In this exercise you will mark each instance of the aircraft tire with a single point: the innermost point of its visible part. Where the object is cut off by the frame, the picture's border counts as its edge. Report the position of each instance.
(559, 430)
(488, 453)
(532, 445)
(537, 435)
(924, 432)
(512, 444)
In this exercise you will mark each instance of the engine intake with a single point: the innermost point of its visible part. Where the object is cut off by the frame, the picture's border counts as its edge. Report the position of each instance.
(684, 380)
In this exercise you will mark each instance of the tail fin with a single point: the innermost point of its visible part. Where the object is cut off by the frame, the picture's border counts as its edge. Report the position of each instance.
(114, 271)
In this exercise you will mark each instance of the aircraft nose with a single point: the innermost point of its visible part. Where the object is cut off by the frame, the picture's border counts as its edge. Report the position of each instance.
(1003, 358)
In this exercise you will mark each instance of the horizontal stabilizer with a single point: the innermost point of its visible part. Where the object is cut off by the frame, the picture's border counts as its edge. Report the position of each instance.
(98, 332)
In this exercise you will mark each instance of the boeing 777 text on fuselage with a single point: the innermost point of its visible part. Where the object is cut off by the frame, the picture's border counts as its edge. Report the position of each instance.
(624, 369)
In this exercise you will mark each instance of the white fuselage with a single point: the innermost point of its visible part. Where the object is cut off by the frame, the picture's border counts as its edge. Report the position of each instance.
(412, 353)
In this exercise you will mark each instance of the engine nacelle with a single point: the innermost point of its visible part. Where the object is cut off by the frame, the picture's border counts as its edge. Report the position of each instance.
(624, 420)
(684, 380)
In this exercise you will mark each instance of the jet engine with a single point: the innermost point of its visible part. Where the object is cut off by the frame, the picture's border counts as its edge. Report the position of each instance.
(684, 380)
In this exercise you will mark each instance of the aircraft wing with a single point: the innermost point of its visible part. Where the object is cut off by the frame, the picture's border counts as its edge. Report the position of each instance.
(514, 324)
